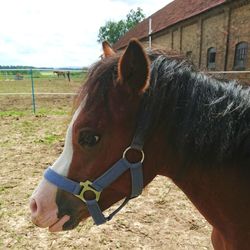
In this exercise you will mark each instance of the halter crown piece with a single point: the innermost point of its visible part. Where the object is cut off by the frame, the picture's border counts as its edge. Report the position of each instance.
(79, 188)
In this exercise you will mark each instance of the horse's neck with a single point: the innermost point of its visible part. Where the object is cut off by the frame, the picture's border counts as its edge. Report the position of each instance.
(219, 192)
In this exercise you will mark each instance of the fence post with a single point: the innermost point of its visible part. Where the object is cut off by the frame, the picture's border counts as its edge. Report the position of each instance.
(33, 92)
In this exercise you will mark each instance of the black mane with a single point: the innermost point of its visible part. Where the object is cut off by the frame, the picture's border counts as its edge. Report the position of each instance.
(207, 121)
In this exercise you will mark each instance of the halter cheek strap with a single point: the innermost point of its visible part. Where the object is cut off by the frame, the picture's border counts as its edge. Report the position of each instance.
(97, 186)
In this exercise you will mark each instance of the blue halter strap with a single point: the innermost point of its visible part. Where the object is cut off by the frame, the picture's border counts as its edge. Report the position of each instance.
(79, 188)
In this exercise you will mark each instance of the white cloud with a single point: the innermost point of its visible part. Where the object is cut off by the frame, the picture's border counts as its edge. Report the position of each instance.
(59, 32)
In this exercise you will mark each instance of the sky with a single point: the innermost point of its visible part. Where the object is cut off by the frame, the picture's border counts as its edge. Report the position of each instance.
(60, 33)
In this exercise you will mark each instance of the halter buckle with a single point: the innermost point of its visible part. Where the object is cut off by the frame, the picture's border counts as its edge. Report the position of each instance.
(86, 186)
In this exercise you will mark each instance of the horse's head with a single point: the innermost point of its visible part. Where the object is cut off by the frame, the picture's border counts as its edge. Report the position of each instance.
(101, 129)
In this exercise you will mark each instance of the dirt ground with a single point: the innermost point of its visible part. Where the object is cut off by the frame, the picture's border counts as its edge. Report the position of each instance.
(161, 218)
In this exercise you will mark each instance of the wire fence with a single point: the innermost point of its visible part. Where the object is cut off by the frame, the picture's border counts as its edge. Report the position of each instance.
(21, 74)
(37, 84)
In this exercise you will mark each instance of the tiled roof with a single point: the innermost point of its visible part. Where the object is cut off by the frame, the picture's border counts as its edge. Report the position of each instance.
(176, 11)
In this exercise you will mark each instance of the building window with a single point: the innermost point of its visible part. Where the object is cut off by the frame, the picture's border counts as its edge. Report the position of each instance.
(240, 58)
(211, 58)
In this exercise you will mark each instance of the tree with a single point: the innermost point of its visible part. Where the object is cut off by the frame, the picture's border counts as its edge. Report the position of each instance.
(134, 17)
(112, 31)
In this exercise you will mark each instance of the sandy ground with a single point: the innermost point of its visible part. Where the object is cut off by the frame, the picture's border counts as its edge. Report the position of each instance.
(161, 218)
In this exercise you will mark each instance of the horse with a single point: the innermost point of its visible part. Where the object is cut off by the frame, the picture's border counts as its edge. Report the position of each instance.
(142, 113)
(62, 73)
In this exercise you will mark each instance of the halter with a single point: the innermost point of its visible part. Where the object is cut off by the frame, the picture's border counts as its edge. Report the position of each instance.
(96, 187)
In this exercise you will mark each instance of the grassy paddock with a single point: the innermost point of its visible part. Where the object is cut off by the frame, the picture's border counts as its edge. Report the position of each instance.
(40, 85)
(51, 85)
(20, 104)
(25, 74)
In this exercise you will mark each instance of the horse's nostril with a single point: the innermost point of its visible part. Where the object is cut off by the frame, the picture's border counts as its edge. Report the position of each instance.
(33, 206)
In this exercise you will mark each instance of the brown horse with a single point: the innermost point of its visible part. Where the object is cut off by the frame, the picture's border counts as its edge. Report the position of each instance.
(62, 73)
(189, 127)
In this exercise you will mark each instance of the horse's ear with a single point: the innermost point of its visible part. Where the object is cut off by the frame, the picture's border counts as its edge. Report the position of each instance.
(107, 49)
(133, 67)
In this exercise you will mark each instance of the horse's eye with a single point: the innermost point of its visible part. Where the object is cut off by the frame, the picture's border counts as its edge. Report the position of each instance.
(88, 138)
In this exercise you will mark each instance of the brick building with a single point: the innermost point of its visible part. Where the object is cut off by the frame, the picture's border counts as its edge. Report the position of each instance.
(214, 34)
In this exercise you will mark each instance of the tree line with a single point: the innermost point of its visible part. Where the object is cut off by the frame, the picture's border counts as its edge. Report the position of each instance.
(16, 67)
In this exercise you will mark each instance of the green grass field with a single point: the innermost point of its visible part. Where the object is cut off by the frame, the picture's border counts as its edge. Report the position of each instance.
(19, 101)
(40, 86)
(48, 83)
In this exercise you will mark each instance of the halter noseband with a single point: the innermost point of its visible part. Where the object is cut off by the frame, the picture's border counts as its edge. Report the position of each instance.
(79, 188)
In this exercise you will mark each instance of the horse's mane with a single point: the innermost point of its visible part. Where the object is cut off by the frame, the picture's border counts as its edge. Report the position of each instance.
(206, 120)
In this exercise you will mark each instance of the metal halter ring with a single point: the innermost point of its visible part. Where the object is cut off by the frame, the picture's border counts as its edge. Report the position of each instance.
(139, 150)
